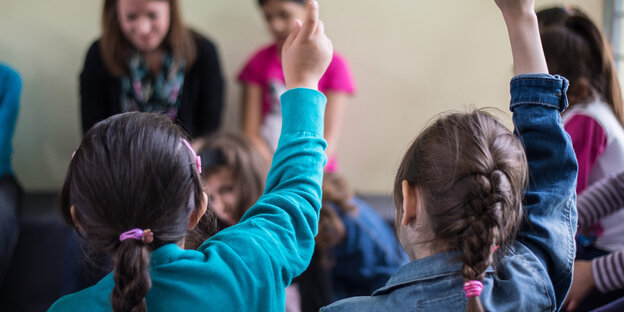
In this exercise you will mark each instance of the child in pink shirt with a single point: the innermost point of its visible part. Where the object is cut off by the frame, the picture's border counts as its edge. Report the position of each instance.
(263, 83)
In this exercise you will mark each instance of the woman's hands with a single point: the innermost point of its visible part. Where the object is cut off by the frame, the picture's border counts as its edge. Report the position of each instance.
(307, 51)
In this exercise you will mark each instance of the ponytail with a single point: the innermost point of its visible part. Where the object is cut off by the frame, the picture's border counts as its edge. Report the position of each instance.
(132, 279)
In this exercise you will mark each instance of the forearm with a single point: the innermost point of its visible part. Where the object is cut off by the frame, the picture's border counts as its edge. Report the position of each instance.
(608, 272)
(600, 200)
(289, 206)
(526, 46)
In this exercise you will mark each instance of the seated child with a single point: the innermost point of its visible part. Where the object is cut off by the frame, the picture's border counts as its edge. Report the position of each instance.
(461, 193)
(133, 189)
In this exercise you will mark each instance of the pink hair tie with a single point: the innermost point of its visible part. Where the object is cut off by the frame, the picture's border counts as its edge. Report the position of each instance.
(473, 288)
(197, 158)
(146, 236)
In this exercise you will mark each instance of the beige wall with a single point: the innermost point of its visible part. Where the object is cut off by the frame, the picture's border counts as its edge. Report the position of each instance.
(411, 59)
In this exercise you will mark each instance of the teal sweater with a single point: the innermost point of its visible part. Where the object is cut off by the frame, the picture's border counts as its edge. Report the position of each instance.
(245, 267)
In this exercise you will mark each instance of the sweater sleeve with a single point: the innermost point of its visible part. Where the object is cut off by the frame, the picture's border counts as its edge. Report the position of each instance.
(601, 199)
(589, 141)
(274, 240)
(210, 104)
(93, 89)
(608, 271)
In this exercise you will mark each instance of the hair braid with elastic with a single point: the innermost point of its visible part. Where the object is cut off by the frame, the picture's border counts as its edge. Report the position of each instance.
(132, 279)
(470, 172)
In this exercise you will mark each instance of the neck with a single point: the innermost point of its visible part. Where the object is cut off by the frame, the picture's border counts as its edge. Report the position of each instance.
(154, 60)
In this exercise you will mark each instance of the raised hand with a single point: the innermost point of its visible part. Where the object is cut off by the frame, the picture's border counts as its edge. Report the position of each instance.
(515, 7)
(307, 51)
(526, 45)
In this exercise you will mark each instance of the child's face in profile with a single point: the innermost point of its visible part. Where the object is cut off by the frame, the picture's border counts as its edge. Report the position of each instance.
(219, 186)
(280, 16)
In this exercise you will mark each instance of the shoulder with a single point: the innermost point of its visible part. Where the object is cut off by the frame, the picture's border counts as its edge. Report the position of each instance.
(338, 62)
(92, 298)
(265, 52)
(202, 43)
(358, 304)
(94, 52)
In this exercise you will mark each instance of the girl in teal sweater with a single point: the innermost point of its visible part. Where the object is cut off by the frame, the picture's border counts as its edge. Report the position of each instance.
(133, 190)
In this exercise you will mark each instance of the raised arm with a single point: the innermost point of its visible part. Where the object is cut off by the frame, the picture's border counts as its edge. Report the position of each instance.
(274, 240)
(537, 100)
(526, 46)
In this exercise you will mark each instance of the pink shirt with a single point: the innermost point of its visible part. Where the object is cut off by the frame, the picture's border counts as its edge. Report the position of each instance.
(265, 69)
(589, 141)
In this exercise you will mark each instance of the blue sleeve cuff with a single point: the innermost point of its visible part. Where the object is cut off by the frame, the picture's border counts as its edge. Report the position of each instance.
(539, 89)
(303, 110)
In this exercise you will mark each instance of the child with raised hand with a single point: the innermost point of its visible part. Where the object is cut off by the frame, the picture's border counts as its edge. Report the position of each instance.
(464, 186)
(133, 189)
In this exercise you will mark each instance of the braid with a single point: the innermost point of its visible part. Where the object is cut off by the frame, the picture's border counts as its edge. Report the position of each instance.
(470, 172)
(484, 228)
(132, 279)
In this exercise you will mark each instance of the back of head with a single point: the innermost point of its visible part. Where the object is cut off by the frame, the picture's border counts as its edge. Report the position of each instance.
(576, 49)
(471, 172)
(131, 171)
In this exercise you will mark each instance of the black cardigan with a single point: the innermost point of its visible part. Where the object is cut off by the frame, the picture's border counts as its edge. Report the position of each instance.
(202, 94)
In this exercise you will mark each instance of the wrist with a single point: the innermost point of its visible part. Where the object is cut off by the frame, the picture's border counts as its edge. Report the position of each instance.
(302, 84)
(520, 17)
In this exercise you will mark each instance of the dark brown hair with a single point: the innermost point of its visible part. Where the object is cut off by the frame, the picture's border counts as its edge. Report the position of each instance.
(116, 49)
(249, 169)
(575, 48)
(331, 230)
(471, 173)
(131, 171)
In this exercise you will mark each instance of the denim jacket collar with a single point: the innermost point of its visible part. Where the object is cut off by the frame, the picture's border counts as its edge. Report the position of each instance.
(440, 264)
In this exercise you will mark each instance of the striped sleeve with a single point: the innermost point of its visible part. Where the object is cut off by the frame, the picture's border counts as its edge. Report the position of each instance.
(608, 272)
(600, 200)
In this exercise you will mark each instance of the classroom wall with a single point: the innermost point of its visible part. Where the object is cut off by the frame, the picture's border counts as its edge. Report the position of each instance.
(411, 59)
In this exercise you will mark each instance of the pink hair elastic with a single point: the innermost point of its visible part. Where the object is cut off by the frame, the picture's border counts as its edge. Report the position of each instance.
(197, 158)
(145, 236)
(473, 288)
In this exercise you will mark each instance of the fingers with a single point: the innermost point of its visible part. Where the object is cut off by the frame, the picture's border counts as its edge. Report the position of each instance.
(309, 26)
(320, 28)
(293, 34)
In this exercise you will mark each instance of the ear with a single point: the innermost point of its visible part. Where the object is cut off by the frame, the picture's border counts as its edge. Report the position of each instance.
(411, 202)
(197, 214)
(74, 216)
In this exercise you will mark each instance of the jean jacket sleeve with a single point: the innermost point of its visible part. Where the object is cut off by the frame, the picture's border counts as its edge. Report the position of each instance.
(537, 100)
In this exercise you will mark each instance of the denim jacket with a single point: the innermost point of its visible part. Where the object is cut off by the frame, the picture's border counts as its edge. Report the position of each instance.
(536, 272)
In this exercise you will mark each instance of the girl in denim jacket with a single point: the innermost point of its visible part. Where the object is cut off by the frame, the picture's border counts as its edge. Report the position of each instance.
(464, 188)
